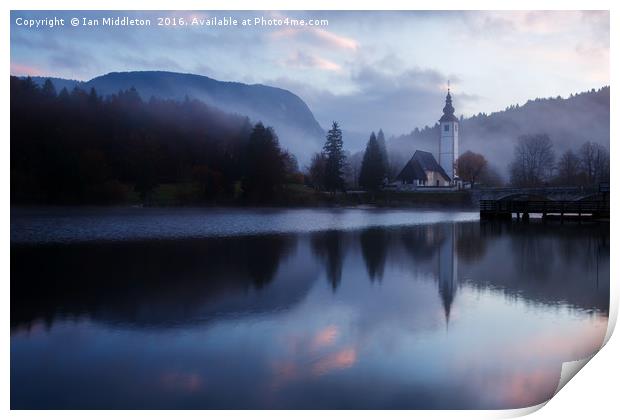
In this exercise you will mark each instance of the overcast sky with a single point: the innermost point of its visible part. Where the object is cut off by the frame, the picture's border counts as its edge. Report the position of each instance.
(365, 69)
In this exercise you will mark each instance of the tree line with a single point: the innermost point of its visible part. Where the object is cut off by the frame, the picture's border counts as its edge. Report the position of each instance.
(372, 173)
(569, 122)
(534, 163)
(80, 148)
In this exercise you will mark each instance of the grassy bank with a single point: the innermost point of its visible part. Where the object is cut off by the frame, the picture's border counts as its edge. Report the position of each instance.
(295, 195)
(291, 195)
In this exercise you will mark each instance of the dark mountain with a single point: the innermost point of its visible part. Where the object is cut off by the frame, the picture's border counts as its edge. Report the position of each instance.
(286, 112)
(569, 122)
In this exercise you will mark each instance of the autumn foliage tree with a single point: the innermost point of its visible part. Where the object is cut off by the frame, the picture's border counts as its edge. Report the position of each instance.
(471, 166)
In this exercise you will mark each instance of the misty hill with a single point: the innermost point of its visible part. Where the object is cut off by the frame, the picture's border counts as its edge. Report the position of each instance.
(79, 148)
(569, 122)
(286, 112)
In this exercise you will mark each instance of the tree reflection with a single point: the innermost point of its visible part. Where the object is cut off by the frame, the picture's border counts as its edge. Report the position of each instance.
(374, 243)
(422, 242)
(159, 282)
(140, 282)
(550, 263)
(470, 245)
(330, 247)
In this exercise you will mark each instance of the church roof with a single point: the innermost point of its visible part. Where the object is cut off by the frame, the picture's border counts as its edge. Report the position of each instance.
(448, 110)
(417, 166)
(428, 163)
(412, 170)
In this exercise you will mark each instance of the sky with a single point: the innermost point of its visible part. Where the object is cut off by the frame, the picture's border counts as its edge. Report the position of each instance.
(367, 70)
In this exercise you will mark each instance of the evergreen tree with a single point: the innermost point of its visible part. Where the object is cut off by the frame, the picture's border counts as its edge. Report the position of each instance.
(79, 148)
(63, 96)
(335, 159)
(48, 89)
(264, 164)
(373, 169)
(384, 153)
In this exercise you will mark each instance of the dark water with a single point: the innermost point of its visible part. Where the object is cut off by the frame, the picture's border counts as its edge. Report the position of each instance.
(447, 312)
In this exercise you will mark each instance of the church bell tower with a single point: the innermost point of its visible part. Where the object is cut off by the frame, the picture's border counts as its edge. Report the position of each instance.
(449, 139)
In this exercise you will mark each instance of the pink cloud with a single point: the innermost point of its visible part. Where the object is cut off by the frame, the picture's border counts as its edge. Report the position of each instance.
(19, 69)
(303, 60)
(324, 36)
(335, 40)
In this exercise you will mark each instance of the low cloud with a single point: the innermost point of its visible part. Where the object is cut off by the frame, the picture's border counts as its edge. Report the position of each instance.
(397, 102)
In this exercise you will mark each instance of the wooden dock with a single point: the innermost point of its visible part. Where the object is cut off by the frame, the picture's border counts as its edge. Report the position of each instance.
(522, 209)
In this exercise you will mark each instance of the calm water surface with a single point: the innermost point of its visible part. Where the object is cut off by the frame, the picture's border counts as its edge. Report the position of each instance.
(156, 308)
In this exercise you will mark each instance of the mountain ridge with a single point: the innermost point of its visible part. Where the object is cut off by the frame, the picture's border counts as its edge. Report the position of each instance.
(568, 121)
(282, 109)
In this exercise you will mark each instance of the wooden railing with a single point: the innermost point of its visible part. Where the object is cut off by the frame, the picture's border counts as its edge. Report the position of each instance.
(544, 207)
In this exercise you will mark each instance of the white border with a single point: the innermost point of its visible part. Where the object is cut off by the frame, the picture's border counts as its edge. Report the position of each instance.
(593, 394)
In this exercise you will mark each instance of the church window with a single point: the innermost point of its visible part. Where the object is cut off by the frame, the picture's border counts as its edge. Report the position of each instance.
(446, 127)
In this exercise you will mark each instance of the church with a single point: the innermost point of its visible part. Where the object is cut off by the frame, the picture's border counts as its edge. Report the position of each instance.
(422, 170)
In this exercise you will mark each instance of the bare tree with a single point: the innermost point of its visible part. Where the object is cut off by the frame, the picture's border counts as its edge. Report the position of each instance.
(316, 171)
(470, 166)
(568, 169)
(491, 177)
(533, 161)
(396, 162)
(353, 169)
(594, 162)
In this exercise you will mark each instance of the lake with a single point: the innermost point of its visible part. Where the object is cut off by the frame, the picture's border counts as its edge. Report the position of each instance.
(252, 309)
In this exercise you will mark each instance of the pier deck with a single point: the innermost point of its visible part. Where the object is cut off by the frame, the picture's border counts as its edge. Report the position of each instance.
(504, 209)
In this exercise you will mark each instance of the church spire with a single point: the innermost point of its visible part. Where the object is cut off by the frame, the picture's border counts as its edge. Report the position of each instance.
(448, 109)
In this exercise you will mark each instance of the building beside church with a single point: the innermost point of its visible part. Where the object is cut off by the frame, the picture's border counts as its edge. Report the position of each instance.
(422, 170)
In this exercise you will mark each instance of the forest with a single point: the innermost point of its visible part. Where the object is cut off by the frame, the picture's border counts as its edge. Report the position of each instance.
(569, 122)
(80, 148)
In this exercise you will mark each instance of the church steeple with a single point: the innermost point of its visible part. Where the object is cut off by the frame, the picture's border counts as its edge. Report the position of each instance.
(448, 109)
(449, 138)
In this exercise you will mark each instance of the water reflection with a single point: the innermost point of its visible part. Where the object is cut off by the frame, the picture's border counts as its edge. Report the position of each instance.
(447, 315)
(154, 282)
(330, 247)
(374, 243)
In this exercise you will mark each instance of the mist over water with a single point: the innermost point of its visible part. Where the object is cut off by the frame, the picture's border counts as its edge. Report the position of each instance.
(49, 225)
(442, 314)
